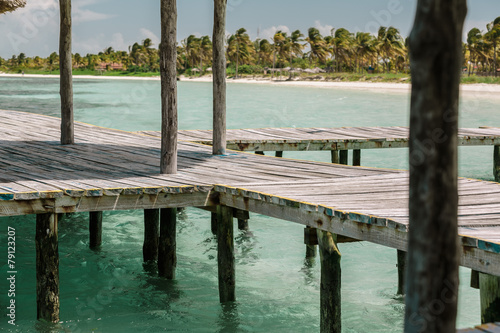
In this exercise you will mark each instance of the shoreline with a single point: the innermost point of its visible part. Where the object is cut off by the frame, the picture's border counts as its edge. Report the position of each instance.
(402, 87)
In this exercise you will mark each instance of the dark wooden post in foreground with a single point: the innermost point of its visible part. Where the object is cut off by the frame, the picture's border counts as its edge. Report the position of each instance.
(335, 156)
(66, 75)
(356, 157)
(168, 61)
(219, 79)
(167, 256)
(47, 268)
(433, 256)
(225, 254)
(489, 287)
(151, 234)
(330, 300)
(401, 272)
(343, 156)
(496, 163)
(95, 229)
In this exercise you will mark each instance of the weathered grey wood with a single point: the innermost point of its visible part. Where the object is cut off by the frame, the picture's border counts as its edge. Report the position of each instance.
(433, 256)
(474, 279)
(168, 61)
(151, 234)
(47, 268)
(243, 224)
(496, 163)
(343, 156)
(167, 256)
(66, 75)
(401, 272)
(335, 156)
(225, 254)
(356, 157)
(330, 289)
(219, 79)
(213, 222)
(489, 288)
(95, 229)
(279, 154)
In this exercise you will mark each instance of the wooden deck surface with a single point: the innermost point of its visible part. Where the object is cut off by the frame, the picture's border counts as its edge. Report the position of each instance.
(110, 170)
(300, 139)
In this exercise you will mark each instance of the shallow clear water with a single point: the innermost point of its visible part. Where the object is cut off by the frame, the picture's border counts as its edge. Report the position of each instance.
(277, 291)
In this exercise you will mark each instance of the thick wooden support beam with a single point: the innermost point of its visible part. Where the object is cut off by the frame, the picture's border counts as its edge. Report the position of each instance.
(343, 156)
(95, 229)
(47, 268)
(279, 154)
(401, 272)
(474, 279)
(167, 256)
(243, 224)
(330, 300)
(66, 75)
(219, 79)
(356, 157)
(335, 156)
(433, 249)
(225, 254)
(151, 234)
(168, 61)
(213, 222)
(489, 287)
(496, 163)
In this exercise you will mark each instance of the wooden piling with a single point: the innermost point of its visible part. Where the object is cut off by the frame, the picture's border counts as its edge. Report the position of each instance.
(474, 279)
(243, 224)
(343, 156)
(225, 254)
(401, 272)
(66, 75)
(433, 248)
(213, 223)
(279, 154)
(168, 61)
(258, 152)
(335, 156)
(219, 78)
(356, 157)
(489, 287)
(47, 268)
(330, 299)
(167, 256)
(151, 234)
(95, 229)
(311, 240)
(496, 163)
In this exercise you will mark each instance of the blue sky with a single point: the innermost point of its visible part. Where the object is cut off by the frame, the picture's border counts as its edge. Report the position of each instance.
(119, 23)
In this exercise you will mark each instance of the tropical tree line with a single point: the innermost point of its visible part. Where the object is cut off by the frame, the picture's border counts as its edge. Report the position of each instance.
(340, 51)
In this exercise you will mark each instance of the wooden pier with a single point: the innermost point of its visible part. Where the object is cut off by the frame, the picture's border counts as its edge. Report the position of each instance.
(115, 170)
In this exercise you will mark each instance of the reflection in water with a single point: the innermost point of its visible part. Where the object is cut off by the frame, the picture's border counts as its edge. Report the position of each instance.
(245, 243)
(308, 270)
(228, 321)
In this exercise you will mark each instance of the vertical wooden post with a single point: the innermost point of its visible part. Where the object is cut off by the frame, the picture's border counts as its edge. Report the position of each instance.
(474, 279)
(167, 256)
(219, 79)
(225, 254)
(330, 300)
(496, 163)
(151, 234)
(489, 289)
(433, 252)
(279, 154)
(258, 152)
(47, 268)
(243, 224)
(401, 272)
(343, 156)
(213, 223)
(66, 75)
(168, 61)
(311, 240)
(356, 157)
(95, 229)
(335, 156)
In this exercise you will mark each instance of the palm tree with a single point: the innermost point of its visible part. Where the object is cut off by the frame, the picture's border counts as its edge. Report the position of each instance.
(296, 46)
(192, 47)
(265, 53)
(342, 42)
(205, 50)
(318, 46)
(240, 48)
(492, 36)
(363, 46)
(474, 38)
(390, 44)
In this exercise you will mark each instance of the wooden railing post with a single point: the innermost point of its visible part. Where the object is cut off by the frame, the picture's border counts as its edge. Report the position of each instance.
(219, 78)
(66, 75)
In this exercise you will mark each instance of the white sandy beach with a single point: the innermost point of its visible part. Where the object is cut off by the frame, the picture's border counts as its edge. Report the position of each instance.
(403, 87)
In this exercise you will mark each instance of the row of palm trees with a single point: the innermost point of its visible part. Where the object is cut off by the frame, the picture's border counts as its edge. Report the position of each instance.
(340, 51)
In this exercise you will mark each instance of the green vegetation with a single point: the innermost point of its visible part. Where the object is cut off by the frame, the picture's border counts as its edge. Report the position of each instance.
(340, 56)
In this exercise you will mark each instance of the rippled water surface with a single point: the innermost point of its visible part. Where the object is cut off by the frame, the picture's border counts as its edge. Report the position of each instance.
(277, 291)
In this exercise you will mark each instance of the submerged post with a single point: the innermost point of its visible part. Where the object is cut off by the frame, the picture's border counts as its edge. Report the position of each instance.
(167, 256)
(343, 156)
(225, 254)
(310, 240)
(330, 300)
(95, 229)
(496, 163)
(489, 288)
(356, 157)
(335, 156)
(47, 268)
(433, 256)
(219, 79)
(151, 234)
(66, 75)
(168, 61)
(401, 272)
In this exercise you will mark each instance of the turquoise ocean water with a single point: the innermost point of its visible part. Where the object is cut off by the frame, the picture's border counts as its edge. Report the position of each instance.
(277, 291)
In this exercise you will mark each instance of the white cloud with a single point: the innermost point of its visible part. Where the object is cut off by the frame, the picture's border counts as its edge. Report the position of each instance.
(81, 15)
(325, 30)
(269, 32)
(149, 34)
(100, 42)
